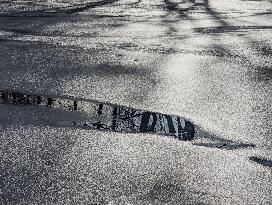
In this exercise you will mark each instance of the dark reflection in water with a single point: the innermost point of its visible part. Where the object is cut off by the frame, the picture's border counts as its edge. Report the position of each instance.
(104, 116)
(110, 117)
(262, 161)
